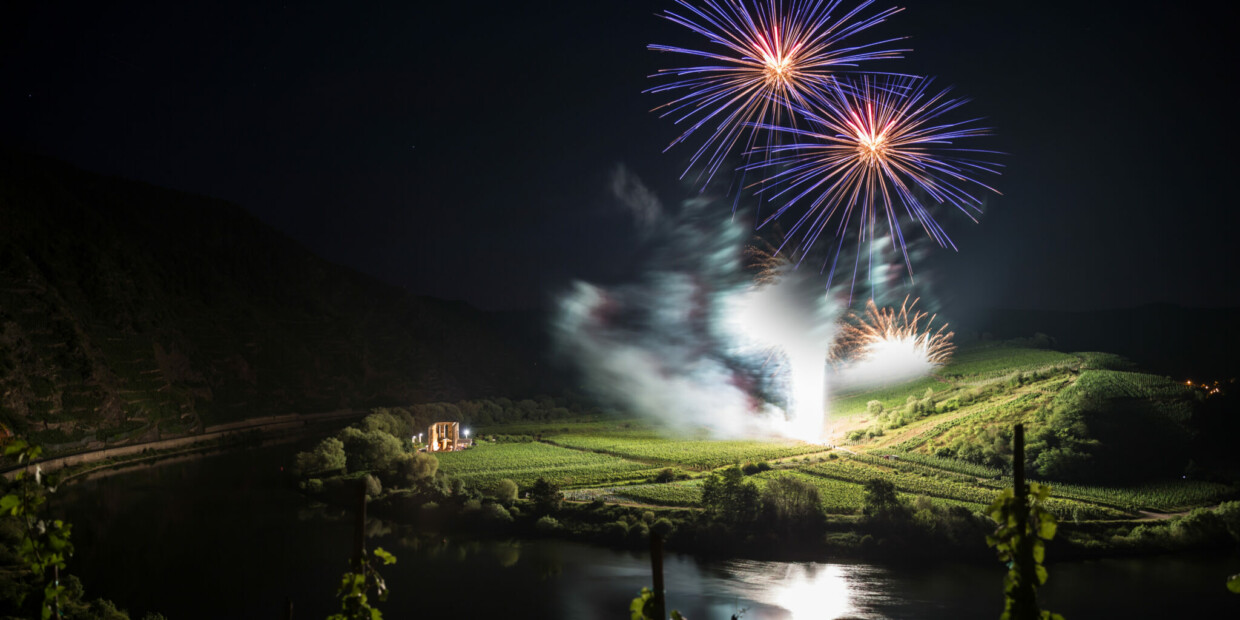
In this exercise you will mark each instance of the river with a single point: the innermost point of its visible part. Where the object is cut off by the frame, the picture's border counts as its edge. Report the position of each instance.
(223, 536)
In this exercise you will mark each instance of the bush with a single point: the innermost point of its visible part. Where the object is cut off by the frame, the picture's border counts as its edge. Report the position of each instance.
(882, 503)
(874, 407)
(494, 513)
(373, 488)
(547, 524)
(313, 486)
(638, 533)
(665, 475)
(749, 469)
(730, 499)
(327, 456)
(370, 451)
(663, 527)
(415, 468)
(546, 496)
(506, 491)
(793, 503)
(616, 531)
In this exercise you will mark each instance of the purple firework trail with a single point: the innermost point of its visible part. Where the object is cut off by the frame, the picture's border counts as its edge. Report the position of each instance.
(872, 147)
(765, 57)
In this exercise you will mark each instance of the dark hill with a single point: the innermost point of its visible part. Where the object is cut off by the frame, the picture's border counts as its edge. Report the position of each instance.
(1197, 343)
(128, 309)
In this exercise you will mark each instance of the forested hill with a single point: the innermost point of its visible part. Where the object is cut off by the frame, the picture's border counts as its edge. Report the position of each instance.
(128, 310)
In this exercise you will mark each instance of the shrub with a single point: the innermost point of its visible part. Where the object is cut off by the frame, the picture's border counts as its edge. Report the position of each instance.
(547, 524)
(616, 531)
(370, 451)
(373, 488)
(328, 455)
(638, 533)
(663, 527)
(729, 498)
(494, 513)
(546, 496)
(506, 491)
(749, 469)
(415, 468)
(665, 475)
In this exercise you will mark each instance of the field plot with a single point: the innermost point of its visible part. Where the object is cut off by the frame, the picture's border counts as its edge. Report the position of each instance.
(700, 454)
(916, 479)
(847, 403)
(684, 493)
(1001, 359)
(523, 463)
(838, 497)
(944, 437)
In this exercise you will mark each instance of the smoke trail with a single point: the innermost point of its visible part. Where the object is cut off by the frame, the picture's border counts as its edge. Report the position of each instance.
(694, 343)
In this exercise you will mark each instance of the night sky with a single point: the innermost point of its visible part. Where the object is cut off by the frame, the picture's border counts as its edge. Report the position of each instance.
(464, 150)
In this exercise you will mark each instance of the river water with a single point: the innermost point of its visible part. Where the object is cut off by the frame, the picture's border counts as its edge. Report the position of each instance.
(224, 537)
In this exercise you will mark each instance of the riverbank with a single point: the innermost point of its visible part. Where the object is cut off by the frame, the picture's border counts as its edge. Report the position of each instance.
(215, 438)
(233, 517)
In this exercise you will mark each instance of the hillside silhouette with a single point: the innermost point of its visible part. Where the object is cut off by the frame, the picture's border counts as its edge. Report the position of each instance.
(132, 311)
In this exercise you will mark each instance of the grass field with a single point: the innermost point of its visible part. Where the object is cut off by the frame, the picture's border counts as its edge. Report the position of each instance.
(926, 442)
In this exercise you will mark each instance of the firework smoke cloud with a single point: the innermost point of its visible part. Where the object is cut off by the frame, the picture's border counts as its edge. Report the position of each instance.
(695, 343)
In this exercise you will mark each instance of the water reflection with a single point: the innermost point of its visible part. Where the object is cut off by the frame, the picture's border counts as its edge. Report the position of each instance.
(171, 538)
(805, 590)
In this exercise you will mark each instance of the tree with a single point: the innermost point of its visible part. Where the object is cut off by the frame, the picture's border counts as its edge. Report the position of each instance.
(327, 456)
(792, 503)
(882, 503)
(729, 498)
(506, 491)
(370, 450)
(546, 496)
(416, 468)
(385, 421)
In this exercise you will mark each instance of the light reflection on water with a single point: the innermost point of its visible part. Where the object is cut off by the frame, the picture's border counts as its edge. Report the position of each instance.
(171, 538)
(802, 590)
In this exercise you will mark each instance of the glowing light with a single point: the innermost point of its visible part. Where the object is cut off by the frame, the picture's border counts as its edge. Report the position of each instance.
(872, 151)
(769, 317)
(766, 55)
(805, 591)
(887, 346)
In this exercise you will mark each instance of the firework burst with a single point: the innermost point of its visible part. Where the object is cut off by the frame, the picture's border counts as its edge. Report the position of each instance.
(875, 147)
(889, 335)
(767, 55)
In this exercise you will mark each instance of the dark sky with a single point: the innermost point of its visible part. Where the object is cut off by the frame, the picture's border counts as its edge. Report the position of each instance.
(463, 150)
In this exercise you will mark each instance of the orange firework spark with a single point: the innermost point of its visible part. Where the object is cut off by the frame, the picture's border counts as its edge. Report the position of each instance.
(887, 328)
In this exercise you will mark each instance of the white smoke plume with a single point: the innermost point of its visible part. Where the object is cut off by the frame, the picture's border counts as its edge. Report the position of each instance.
(694, 343)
